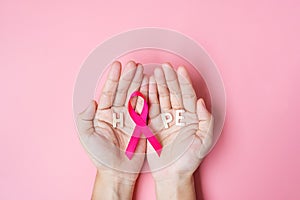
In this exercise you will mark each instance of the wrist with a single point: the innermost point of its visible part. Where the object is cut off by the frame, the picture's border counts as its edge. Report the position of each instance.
(112, 186)
(118, 177)
(176, 187)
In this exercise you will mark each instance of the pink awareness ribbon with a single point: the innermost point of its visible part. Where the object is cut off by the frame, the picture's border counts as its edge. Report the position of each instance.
(141, 127)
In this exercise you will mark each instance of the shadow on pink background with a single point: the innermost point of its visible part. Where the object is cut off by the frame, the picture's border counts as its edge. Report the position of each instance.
(255, 44)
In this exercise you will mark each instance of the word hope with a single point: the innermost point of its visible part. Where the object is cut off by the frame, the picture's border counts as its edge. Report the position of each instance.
(166, 119)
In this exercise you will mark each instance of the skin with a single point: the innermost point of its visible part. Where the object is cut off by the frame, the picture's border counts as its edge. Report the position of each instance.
(167, 91)
(96, 131)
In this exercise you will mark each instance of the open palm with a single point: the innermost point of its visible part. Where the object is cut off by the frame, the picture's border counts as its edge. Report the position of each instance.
(183, 146)
(105, 143)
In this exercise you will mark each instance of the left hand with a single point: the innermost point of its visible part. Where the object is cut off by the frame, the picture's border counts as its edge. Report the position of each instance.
(183, 147)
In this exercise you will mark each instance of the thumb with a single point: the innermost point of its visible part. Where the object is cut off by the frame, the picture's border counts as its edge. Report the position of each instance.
(205, 131)
(205, 119)
(86, 117)
(202, 112)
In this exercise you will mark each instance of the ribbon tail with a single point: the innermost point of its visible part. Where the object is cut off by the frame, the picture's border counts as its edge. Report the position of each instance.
(134, 140)
(131, 147)
(156, 145)
(153, 141)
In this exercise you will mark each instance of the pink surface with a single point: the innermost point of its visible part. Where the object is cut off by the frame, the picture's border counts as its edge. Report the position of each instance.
(255, 44)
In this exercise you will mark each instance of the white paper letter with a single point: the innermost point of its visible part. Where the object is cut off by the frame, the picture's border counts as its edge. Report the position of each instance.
(166, 118)
(179, 117)
(115, 120)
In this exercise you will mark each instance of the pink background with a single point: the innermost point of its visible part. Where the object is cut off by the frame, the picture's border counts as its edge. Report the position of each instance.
(255, 44)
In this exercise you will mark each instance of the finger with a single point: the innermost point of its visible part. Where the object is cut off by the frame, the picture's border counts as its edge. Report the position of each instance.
(163, 92)
(85, 119)
(206, 121)
(202, 112)
(154, 108)
(144, 90)
(124, 83)
(187, 91)
(145, 86)
(173, 85)
(204, 118)
(109, 90)
(135, 84)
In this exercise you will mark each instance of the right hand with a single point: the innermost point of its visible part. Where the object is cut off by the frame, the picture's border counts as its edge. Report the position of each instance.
(104, 144)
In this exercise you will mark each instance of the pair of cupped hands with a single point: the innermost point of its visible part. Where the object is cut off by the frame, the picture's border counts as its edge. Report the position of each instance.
(166, 91)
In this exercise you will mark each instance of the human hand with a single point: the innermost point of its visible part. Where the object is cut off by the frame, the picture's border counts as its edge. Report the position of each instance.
(184, 147)
(104, 144)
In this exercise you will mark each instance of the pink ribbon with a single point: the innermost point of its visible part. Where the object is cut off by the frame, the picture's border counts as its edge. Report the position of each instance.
(141, 127)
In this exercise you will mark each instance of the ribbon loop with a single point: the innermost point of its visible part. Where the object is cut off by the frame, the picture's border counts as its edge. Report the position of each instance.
(141, 119)
(141, 127)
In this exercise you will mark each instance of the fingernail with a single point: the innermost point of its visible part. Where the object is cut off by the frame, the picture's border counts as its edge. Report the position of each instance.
(203, 103)
(165, 65)
(202, 107)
